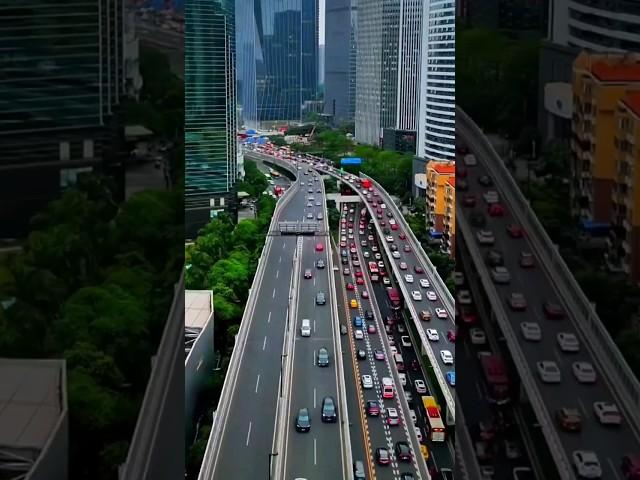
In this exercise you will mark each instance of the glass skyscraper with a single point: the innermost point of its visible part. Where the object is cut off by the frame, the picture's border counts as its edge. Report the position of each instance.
(210, 106)
(277, 59)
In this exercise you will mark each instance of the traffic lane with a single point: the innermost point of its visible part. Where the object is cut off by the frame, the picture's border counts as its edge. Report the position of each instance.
(441, 452)
(312, 383)
(441, 325)
(356, 425)
(250, 422)
(607, 442)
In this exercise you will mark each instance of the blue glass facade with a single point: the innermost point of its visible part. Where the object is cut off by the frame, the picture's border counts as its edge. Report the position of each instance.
(277, 58)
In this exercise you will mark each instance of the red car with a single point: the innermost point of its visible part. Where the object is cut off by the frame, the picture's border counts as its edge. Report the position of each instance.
(343, 244)
(382, 456)
(515, 231)
(402, 236)
(496, 210)
(553, 311)
(394, 226)
(350, 286)
(358, 273)
(451, 336)
(418, 269)
(383, 224)
(469, 200)
(319, 247)
(373, 408)
(360, 281)
(371, 328)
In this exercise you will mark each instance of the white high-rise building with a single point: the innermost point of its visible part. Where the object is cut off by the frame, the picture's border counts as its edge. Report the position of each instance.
(436, 117)
(387, 67)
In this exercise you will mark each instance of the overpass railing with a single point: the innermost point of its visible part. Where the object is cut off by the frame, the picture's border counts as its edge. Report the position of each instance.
(584, 316)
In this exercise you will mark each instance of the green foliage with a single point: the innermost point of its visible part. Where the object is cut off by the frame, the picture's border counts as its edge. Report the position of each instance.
(330, 185)
(92, 284)
(488, 57)
(254, 182)
(277, 140)
(391, 169)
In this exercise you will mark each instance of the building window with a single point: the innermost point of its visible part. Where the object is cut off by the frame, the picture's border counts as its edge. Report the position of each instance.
(64, 151)
(87, 148)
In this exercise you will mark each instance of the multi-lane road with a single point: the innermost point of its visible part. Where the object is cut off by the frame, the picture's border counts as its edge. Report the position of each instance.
(608, 442)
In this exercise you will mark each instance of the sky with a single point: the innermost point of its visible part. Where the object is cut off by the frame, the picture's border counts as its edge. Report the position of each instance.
(321, 22)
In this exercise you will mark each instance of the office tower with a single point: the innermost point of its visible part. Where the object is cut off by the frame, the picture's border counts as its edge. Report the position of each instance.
(436, 117)
(277, 59)
(575, 25)
(340, 59)
(519, 16)
(64, 79)
(387, 67)
(210, 112)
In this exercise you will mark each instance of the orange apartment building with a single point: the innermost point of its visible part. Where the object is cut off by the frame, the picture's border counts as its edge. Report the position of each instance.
(438, 175)
(600, 81)
(449, 231)
(623, 252)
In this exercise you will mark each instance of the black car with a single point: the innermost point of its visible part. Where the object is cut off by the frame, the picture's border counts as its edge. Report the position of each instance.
(485, 180)
(386, 231)
(303, 420)
(329, 410)
(320, 299)
(323, 357)
(406, 476)
(394, 247)
(494, 258)
(478, 219)
(362, 355)
(389, 214)
(345, 261)
(368, 315)
(403, 452)
(320, 264)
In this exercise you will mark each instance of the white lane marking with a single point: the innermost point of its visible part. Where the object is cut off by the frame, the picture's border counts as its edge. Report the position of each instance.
(583, 408)
(269, 318)
(314, 326)
(613, 468)
(315, 452)
(314, 398)
(264, 344)
(314, 281)
(314, 358)
(284, 245)
(277, 273)
(273, 295)
(280, 260)
(248, 434)
(257, 383)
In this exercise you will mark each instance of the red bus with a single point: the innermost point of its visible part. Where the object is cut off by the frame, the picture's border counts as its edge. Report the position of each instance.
(374, 273)
(395, 300)
(495, 377)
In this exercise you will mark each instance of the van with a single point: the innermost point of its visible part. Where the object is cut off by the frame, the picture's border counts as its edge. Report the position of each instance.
(399, 362)
(358, 470)
(387, 387)
(305, 328)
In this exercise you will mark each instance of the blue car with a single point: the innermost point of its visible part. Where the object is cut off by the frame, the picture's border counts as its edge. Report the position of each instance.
(357, 321)
(451, 378)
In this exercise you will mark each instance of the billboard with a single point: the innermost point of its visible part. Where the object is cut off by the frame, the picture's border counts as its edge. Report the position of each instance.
(351, 161)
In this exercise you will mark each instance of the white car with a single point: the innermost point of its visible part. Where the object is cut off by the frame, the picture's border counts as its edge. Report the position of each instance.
(458, 279)
(464, 297)
(477, 336)
(531, 331)
(358, 334)
(432, 335)
(393, 349)
(395, 254)
(403, 379)
(491, 196)
(403, 265)
(568, 342)
(392, 416)
(584, 372)
(416, 295)
(447, 357)
(500, 275)
(424, 283)
(431, 295)
(549, 371)
(366, 254)
(607, 413)
(587, 464)
(386, 281)
(441, 313)
(370, 238)
(367, 381)
(374, 248)
(380, 264)
(405, 340)
(377, 256)
(418, 433)
(420, 386)
(389, 238)
(485, 237)
(408, 278)
(383, 206)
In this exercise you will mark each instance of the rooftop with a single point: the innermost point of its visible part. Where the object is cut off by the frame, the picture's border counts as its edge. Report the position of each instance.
(32, 400)
(198, 307)
(452, 181)
(443, 168)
